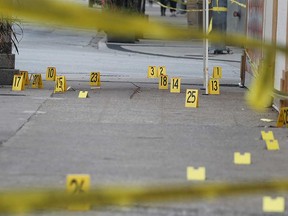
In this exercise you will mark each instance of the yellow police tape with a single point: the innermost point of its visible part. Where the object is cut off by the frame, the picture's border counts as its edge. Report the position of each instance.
(219, 9)
(263, 84)
(119, 23)
(238, 3)
(180, 9)
(185, 3)
(53, 200)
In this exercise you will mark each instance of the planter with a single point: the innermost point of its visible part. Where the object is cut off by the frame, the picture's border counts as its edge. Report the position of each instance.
(6, 76)
(131, 38)
(7, 61)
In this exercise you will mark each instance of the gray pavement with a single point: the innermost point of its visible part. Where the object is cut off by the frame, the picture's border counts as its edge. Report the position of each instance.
(128, 131)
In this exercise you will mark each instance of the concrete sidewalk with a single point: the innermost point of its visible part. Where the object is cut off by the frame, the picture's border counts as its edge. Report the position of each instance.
(133, 133)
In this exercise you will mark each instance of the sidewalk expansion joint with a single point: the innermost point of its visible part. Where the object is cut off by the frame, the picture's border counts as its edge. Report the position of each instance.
(137, 90)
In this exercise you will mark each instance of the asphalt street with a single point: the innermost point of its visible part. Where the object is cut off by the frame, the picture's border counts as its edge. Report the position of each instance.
(129, 132)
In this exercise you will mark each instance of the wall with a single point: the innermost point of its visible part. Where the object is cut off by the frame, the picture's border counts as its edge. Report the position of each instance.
(281, 38)
(236, 24)
(271, 25)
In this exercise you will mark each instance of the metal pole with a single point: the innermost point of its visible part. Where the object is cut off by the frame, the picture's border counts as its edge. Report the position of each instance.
(205, 45)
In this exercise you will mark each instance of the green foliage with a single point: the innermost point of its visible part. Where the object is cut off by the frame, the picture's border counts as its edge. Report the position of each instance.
(9, 35)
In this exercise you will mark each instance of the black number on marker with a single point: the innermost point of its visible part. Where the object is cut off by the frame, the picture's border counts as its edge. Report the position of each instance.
(161, 70)
(94, 77)
(285, 117)
(152, 71)
(192, 97)
(59, 82)
(78, 186)
(214, 85)
(218, 71)
(163, 80)
(51, 72)
(17, 81)
(175, 84)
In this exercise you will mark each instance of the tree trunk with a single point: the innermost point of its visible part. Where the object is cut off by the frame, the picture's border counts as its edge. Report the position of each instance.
(7, 59)
(5, 39)
(134, 6)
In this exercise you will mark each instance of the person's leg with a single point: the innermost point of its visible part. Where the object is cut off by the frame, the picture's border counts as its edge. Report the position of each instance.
(164, 8)
(162, 2)
(173, 5)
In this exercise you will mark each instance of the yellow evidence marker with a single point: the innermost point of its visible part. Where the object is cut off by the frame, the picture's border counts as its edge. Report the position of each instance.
(175, 85)
(273, 205)
(83, 94)
(242, 159)
(51, 74)
(163, 82)
(75, 185)
(152, 72)
(18, 83)
(214, 87)
(161, 71)
(191, 98)
(26, 77)
(217, 72)
(272, 145)
(36, 81)
(267, 135)
(95, 79)
(194, 174)
(60, 84)
(283, 117)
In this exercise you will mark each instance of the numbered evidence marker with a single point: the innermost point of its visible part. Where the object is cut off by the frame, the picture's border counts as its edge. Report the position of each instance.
(161, 71)
(191, 98)
(83, 94)
(18, 83)
(51, 74)
(267, 135)
(214, 87)
(152, 72)
(26, 77)
(163, 82)
(217, 72)
(175, 85)
(242, 159)
(95, 79)
(60, 84)
(75, 185)
(273, 205)
(194, 174)
(283, 117)
(36, 81)
(272, 145)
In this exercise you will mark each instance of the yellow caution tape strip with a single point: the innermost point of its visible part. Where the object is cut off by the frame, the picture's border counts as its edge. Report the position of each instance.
(238, 3)
(180, 9)
(218, 9)
(47, 200)
(118, 23)
(262, 83)
(210, 27)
